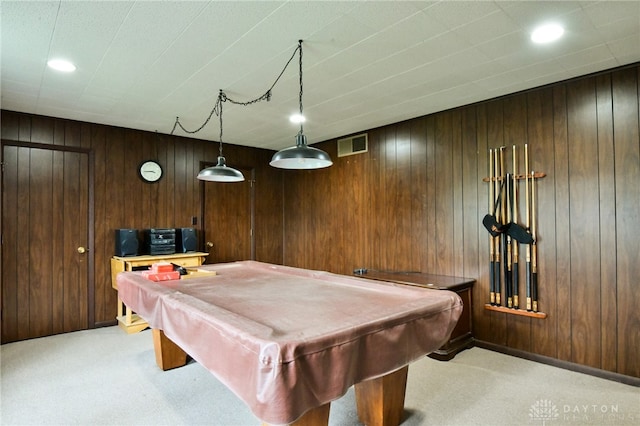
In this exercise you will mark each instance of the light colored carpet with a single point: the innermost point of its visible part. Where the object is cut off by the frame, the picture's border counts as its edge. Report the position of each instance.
(106, 377)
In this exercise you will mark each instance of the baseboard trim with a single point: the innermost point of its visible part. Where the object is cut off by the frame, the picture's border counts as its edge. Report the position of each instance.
(105, 324)
(609, 375)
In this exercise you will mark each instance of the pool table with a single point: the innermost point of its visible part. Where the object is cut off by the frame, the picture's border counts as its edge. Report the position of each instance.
(287, 341)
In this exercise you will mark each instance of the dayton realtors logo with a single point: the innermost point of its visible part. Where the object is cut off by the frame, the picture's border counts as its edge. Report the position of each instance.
(543, 411)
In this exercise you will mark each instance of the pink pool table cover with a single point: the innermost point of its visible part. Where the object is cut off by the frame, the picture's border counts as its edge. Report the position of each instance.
(286, 340)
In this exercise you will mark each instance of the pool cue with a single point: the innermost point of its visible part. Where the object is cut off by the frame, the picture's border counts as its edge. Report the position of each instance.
(506, 283)
(492, 260)
(534, 247)
(508, 289)
(515, 249)
(496, 240)
(528, 223)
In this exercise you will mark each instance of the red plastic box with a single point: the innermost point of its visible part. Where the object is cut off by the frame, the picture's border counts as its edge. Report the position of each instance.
(161, 276)
(162, 267)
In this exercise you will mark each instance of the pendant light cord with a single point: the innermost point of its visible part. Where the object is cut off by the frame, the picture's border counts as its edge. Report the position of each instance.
(222, 97)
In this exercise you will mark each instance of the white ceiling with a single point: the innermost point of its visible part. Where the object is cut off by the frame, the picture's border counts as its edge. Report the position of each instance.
(141, 64)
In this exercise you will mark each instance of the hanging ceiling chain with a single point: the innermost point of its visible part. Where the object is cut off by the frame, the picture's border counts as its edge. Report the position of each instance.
(301, 116)
(219, 104)
(222, 97)
(300, 48)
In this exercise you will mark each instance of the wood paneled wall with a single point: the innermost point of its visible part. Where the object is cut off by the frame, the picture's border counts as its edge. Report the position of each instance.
(415, 201)
(122, 200)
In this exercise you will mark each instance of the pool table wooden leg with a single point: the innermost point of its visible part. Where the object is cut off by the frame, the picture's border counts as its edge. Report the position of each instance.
(381, 401)
(168, 354)
(318, 416)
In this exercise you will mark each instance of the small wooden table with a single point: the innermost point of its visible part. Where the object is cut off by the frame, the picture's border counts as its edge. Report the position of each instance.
(462, 335)
(127, 320)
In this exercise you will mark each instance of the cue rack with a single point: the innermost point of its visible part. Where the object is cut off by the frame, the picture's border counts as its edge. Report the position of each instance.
(509, 240)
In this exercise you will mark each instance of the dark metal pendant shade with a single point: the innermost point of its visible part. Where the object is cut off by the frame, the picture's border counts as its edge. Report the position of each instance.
(301, 156)
(221, 173)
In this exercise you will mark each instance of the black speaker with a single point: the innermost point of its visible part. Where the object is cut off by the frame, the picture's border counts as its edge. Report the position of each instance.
(126, 242)
(186, 240)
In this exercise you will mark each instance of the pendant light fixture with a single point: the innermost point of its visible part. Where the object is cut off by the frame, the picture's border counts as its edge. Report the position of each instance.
(220, 172)
(301, 156)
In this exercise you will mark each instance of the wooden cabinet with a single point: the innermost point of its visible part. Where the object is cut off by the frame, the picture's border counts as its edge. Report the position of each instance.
(462, 335)
(128, 320)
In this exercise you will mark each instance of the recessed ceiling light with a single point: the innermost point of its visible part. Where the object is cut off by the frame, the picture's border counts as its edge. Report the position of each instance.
(547, 33)
(297, 118)
(61, 65)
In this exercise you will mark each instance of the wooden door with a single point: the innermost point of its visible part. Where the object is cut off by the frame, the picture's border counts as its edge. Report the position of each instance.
(227, 219)
(46, 253)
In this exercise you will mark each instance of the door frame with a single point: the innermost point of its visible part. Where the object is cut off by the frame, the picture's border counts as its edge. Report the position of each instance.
(91, 286)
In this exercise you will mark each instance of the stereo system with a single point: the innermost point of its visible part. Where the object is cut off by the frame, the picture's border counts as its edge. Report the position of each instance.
(159, 241)
(155, 241)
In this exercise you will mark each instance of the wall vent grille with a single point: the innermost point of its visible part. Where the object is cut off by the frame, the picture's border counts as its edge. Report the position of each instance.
(353, 145)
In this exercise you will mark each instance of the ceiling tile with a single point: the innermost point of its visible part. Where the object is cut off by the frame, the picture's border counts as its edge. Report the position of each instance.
(456, 14)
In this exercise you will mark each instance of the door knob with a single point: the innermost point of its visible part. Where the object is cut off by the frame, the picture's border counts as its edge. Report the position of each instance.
(81, 250)
(209, 244)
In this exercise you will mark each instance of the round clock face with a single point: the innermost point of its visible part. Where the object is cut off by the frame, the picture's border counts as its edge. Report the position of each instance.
(150, 171)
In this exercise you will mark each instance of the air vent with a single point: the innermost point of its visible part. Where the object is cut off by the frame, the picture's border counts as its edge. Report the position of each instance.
(353, 145)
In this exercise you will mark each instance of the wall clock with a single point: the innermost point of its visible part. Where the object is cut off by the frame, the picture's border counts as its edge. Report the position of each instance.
(150, 171)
